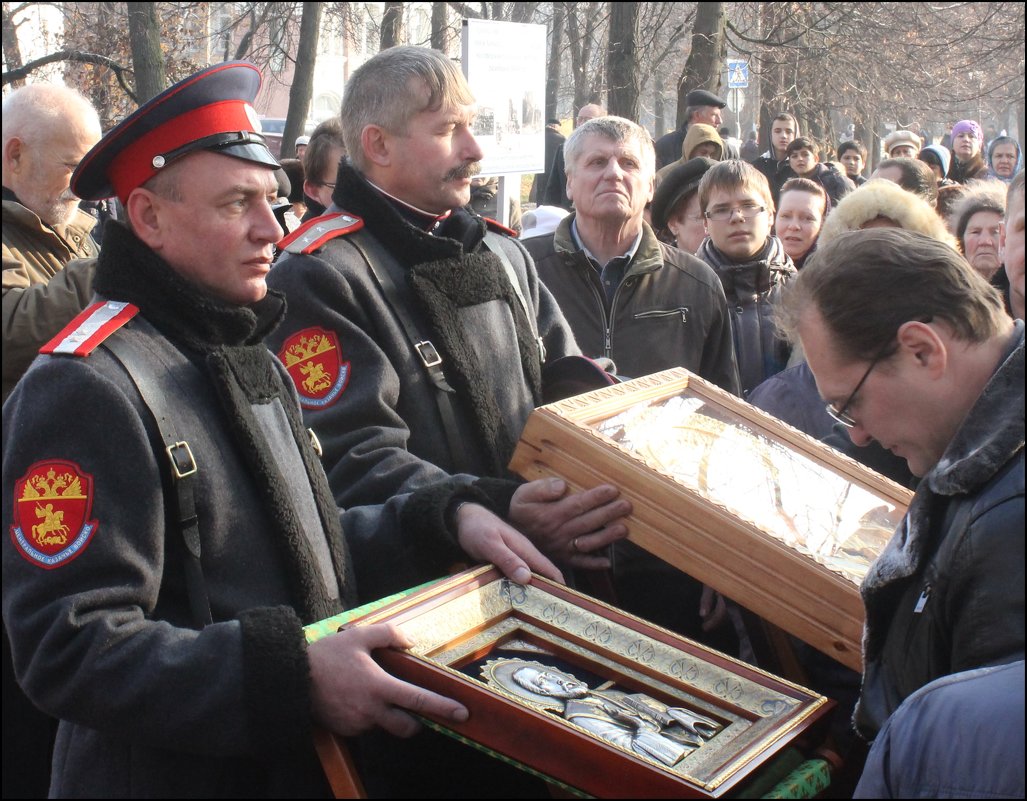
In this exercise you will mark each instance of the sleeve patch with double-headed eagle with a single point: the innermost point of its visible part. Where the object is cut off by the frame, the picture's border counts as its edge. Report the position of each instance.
(314, 361)
(89, 329)
(52, 505)
(313, 234)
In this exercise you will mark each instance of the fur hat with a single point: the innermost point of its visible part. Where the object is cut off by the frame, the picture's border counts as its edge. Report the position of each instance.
(896, 138)
(881, 198)
(980, 196)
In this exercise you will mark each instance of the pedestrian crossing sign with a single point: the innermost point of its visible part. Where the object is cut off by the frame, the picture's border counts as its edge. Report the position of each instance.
(737, 75)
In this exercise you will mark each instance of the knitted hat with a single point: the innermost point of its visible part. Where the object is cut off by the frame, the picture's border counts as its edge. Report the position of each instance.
(968, 125)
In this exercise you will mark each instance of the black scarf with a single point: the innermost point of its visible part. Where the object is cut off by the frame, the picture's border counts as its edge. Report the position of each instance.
(446, 271)
(226, 342)
(742, 281)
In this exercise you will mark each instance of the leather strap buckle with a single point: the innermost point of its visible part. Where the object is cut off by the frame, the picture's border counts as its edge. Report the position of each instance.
(182, 461)
(429, 355)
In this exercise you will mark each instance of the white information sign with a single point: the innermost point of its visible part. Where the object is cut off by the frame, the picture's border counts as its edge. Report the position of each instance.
(505, 65)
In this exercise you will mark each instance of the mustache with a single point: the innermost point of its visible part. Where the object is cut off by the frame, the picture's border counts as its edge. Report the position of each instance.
(468, 170)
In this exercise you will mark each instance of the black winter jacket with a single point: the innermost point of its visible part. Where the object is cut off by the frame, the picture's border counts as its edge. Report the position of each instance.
(752, 289)
(96, 603)
(946, 594)
(669, 310)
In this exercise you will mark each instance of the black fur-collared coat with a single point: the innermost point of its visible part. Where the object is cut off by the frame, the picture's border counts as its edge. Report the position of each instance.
(103, 633)
(383, 432)
(946, 594)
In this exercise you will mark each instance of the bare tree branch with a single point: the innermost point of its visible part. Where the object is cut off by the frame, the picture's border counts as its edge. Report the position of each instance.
(70, 55)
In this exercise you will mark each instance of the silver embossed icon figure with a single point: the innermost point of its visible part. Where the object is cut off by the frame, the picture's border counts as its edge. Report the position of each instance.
(633, 721)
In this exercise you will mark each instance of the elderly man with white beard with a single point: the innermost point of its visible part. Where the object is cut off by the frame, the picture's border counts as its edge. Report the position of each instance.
(46, 131)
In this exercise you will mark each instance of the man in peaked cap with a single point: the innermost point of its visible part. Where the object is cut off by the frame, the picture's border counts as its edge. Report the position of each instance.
(700, 106)
(171, 529)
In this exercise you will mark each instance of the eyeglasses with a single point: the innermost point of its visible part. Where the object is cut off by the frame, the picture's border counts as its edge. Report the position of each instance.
(746, 212)
(329, 184)
(841, 415)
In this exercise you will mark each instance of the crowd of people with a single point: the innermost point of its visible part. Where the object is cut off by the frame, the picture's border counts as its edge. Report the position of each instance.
(281, 389)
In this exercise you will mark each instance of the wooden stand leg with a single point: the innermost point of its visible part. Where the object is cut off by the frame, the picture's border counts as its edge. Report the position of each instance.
(338, 765)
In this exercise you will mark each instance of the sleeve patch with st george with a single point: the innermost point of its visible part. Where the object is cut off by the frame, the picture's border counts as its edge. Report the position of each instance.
(52, 505)
(313, 359)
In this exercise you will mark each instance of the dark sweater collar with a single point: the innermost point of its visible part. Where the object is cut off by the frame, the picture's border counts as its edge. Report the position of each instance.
(460, 232)
(128, 270)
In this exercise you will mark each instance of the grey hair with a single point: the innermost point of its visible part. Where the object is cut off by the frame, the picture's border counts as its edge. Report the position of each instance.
(39, 108)
(389, 89)
(615, 129)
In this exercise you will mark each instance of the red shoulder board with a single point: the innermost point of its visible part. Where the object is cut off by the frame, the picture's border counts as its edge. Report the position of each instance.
(82, 335)
(313, 359)
(313, 234)
(52, 505)
(499, 228)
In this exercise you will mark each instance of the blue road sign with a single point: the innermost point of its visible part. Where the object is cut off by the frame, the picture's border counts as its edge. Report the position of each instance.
(737, 74)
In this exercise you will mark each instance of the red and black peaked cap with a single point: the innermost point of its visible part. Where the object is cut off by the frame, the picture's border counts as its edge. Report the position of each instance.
(210, 110)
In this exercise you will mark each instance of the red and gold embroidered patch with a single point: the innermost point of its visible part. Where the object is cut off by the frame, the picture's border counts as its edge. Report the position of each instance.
(52, 504)
(314, 361)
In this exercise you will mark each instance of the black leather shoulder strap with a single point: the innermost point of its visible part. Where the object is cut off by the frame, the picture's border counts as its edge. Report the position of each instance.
(152, 382)
(378, 261)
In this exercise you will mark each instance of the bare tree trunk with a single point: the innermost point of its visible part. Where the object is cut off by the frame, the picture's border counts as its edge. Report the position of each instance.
(12, 50)
(659, 106)
(392, 25)
(522, 12)
(702, 69)
(622, 84)
(440, 31)
(147, 58)
(553, 71)
(303, 78)
(581, 22)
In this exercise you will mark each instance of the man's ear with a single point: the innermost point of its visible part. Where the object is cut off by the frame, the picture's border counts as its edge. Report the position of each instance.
(14, 155)
(143, 209)
(377, 144)
(924, 346)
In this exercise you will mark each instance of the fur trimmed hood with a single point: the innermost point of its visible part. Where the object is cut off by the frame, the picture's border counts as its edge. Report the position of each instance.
(881, 198)
(990, 436)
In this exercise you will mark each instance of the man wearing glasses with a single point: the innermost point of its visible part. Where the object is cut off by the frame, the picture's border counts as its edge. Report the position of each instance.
(751, 263)
(911, 348)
